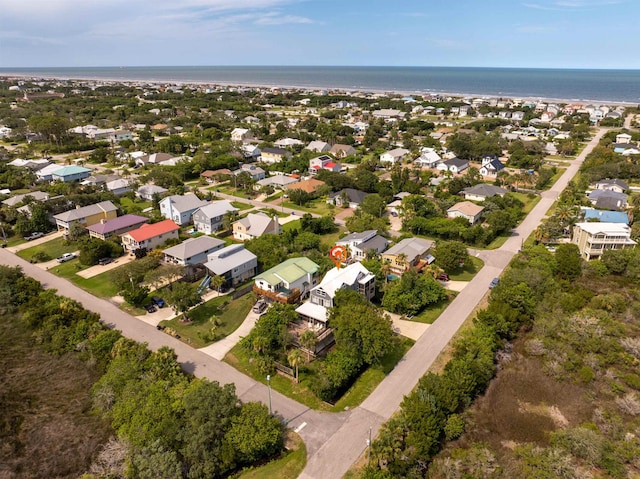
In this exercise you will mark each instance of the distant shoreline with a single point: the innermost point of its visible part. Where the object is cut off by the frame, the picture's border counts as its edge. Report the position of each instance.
(8, 75)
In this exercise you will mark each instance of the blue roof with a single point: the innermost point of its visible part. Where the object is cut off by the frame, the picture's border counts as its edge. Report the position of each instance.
(606, 216)
(71, 170)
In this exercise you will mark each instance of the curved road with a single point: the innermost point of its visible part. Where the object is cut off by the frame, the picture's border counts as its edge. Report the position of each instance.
(334, 441)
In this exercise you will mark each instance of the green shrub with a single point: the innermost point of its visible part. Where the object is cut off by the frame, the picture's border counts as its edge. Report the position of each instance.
(586, 374)
(40, 257)
(454, 427)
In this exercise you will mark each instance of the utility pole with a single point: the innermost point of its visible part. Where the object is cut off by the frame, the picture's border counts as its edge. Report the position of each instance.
(269, 387)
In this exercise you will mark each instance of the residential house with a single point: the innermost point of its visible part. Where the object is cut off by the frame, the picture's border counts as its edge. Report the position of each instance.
(108, 229)
(608, 200)
(121, 135)
(354, 276)
(342, 151)
(467, 210)
(454, 165)
(397, 155)
(408, 253)
(255, 225)
(517, 116)
(623, 138)
(34, 195)
(180, 208)
(615, 184)
(429, 158)
(150, 236)
(624, 148)
(388, 113)
(604, 216)
(193, 250)
(234, 264)
(491, 166)
(318, 146)
(85, 215)
(69, 174)
(289, 281)
(310, 186)
(360, 244)
(323, 162)
(274, 155)
(241, 135)
(46, 173)
(277, 181)
(158, 158)
(98, 180)
(208, 218)
(254, 171)
(347, 198)
(482, 191)
(287, 142)
(119, 186)
(594, 238)
(250, 152)
(148, 192)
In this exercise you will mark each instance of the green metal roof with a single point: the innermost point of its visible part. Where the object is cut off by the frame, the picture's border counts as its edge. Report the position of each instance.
(289, 270)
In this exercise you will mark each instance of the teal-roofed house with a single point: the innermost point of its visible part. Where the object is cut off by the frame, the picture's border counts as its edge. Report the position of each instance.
(289, 281)
(68, 174)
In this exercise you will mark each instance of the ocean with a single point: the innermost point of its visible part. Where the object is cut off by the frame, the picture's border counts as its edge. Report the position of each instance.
(616, 86)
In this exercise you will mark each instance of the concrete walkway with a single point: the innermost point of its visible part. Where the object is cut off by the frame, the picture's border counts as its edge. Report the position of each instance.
(219, 349)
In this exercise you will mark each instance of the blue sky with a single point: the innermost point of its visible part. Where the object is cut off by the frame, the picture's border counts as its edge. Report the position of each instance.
(491, 33)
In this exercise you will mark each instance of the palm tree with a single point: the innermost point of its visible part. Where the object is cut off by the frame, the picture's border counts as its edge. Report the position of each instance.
(217, 282)
(308, 340)
(260, 344)
(295, 358)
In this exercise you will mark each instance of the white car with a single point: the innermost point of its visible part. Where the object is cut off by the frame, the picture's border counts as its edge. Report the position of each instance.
(66, 257)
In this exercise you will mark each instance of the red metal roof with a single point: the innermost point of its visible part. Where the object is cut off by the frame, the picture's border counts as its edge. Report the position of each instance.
(331, 164)
(146, 232)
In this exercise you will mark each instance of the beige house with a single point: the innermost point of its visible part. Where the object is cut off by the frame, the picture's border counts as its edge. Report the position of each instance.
(467, 210)
(408, 253)
(255, 225)
(594, 238)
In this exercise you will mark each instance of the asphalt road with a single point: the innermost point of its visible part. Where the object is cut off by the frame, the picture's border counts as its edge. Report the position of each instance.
(334, 441)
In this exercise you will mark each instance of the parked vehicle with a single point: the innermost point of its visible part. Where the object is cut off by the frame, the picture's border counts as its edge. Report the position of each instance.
(158, 301)
(32, 236)
(443, 277)
(103, 261)
(494, 283)
(66, 257)
(260, 307)
(150, 308)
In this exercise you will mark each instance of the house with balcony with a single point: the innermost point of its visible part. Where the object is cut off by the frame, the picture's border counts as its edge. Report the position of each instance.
(234, 264)
(354, 276)
(150, 236)
(85, 215)
(360, 244)
(108, 229)
(193, 250)
(208, 218)
(180, 208)
(408, 253)
(288, 282)
(594, 238)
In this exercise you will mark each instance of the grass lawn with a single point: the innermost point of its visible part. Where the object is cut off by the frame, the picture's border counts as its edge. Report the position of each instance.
(274, 196)
(330, 239)
(432, 313)
(288, 466)
(99, 285)
(54, 249)
(291, 225)
(467, 273)
(496, 243)
(529, 203)
(316, 206)
(368, 380)
(241, 206)
(133, 207)
(231, 316)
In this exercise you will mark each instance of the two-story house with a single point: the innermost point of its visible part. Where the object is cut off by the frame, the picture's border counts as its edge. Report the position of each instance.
(208, 218)
(594, 238)
(408, 253)
(289, 281)
(360, 244)
(180, 208)
(354, 276)
(150, 236)
(107, 229)
(323, 162)
(85, 215)
(234, 264)
(193, 250)
(255, 225)
(70, 173)
(397, 155)
(274, 155)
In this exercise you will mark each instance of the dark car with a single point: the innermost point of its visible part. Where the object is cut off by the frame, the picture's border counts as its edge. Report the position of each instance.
(494, 283)
(443, 277)
(150, 308)
(103, 261)
(158, 301)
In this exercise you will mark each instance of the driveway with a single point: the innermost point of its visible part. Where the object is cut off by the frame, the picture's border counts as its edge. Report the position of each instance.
(219, 349)
(35, 242)
(98, 269)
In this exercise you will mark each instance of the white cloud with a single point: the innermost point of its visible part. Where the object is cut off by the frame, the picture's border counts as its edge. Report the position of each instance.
(572, 5)
(277, 19)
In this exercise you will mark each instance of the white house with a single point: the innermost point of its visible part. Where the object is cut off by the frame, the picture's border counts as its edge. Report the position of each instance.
(318, 146)
(359, 244)
(491, 166)
(454, 165)
(234, 264)
(208, 218)
(241, 135)
(323, 162)
(429, 158)
(193, 250)
(180, 208)
(397, 155)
